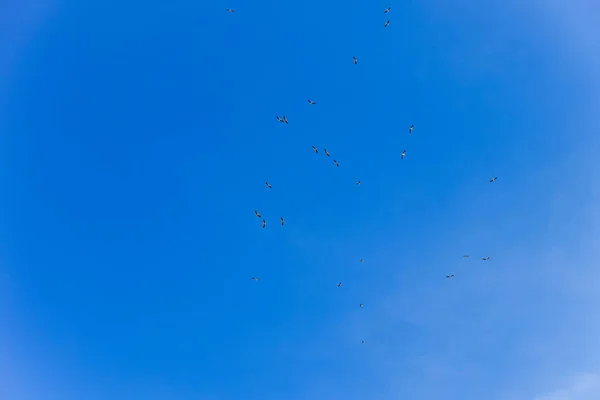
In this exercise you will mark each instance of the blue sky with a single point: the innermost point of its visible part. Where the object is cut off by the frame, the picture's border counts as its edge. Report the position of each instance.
(136, 140)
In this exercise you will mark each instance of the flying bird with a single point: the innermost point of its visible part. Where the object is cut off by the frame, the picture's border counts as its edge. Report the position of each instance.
(466, 256)
(279, 119)
(282, 221)
(257, 214)
(355, 60)
(360, 305)
(311, 102)
(285, 119)
(386, 24)
(387, 10)
(264, 223)
(450, 276)
(268, 185)
(363, 341)
(362, 260)
(255, 279)
(411, 128)
(403, 154)
(340, 284)
(337, 164)
(315, 150)
(327, 153)
(358, 182)
(229, 10)
(485, 258)
(493, 179)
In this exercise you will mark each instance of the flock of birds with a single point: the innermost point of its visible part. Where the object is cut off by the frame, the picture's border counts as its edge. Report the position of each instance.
(283, 119)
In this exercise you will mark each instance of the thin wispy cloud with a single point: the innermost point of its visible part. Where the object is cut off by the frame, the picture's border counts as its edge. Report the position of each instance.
(580, 387)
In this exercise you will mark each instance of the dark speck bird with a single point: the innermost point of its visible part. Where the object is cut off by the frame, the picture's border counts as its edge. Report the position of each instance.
(255, 278)
(264, 223)
(340, 284)
(337, 164)
(311, 102)
(229, 10)
(279, 119)
(285, 119)
(360, 305)
(387, 10)
(315, 150)
(327, 153)
(355, 60)
(362, 260)
(363, 341)
(386, 24)
(493, 179)
(282, 221)
(485, 258)
(403, 154)
(257, 214)
(466, 256)
(268, 185)
(411, 128)
(358, 182)
(450, 276)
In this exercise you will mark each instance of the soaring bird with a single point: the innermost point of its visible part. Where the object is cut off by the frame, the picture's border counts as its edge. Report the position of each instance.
(386, 24)
(493, 179)
(450, 276)
(264, 224)
(466, 256)
(279, 119)
(311, 102)
(355, 60)
(282, 221)
(363, 341)
(327, 153)
(360, 305)
(337, 164)
(362, 260)
(285, 119)
(315, 150)
(387, 10)
(229, 10)
(358, 182)
(403, 154)
(257, 214)
(268, 185)
(411, 128)
(255, 278)
(485, 258)
(340, 284)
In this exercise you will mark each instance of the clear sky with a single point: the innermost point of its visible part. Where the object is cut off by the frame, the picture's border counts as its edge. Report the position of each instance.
(136, 139)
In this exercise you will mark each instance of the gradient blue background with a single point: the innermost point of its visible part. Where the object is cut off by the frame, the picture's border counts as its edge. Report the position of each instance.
(136, 140)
